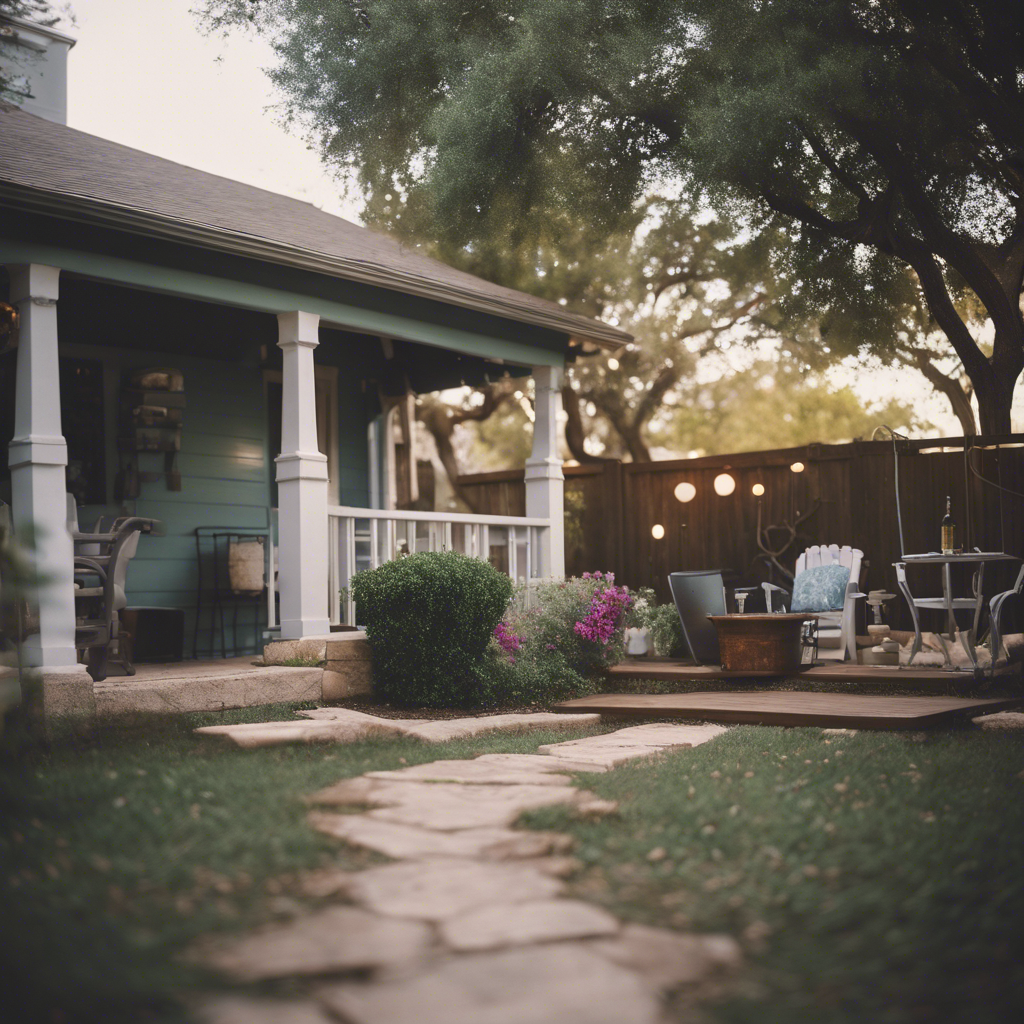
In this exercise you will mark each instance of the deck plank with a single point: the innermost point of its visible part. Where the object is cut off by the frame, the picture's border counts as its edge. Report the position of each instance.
(793, 708)
(672, 669)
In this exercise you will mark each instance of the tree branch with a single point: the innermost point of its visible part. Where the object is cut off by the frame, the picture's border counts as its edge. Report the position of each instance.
(574, 432)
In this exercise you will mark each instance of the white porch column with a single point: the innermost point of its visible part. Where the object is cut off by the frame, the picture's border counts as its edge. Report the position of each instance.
(544, 479)
(38, 456)
(301, 485)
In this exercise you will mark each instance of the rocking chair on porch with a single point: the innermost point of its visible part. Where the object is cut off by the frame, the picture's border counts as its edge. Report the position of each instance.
(101, 568)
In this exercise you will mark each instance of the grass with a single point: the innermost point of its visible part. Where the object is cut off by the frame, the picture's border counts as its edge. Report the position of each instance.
(877, 876)
(870, 877)
(117, 851)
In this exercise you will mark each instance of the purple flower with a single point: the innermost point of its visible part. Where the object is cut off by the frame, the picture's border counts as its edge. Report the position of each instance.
(607, 607)
(508, 641)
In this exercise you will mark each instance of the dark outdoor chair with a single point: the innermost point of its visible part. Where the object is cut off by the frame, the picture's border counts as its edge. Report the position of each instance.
(100, 591)
(996, 614)
(698, 595)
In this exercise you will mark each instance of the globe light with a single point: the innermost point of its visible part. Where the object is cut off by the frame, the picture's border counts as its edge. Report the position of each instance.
(797, 467)
(657, 531)
(724, 484)
(613, 363)
(685, 492)
(758, 490)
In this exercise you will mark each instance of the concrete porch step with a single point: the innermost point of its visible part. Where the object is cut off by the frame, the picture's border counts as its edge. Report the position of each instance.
(347, 659)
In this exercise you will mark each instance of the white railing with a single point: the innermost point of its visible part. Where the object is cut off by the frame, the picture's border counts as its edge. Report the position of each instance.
(364, 538)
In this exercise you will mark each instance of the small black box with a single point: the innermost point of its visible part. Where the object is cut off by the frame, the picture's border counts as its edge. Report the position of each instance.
(158, 634)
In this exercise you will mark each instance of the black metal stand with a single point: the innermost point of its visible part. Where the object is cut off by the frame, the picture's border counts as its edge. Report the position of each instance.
(217, 594)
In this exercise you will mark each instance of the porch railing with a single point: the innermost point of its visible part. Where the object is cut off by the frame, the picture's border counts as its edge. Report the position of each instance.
(364, 538)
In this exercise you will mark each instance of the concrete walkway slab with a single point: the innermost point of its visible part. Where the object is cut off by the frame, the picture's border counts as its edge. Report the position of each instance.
(610, 749)
(522, 924)
(557, 984)
(332, 940)
(433, 890)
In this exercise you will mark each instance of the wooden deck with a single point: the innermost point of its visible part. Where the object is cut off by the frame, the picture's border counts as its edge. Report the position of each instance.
(794, 708)
(837, 671)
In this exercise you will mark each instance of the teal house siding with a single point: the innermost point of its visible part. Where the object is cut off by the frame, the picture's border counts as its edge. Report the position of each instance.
(225, 478)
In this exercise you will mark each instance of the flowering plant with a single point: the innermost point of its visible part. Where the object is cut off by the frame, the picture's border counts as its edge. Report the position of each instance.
(507, 640)
(606, 614)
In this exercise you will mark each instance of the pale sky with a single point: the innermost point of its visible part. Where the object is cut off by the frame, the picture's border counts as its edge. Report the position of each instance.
(142, 74)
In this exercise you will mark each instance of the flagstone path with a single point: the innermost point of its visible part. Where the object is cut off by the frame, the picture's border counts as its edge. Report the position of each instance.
(468, 924)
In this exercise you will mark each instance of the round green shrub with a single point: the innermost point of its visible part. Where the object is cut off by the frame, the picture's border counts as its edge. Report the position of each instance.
(429, 618)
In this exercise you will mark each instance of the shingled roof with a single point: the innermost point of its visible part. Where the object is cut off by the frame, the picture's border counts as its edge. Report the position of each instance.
(49, 168)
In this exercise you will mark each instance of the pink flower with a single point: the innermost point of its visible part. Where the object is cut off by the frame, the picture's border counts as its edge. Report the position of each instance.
(606, 610)
(508, 641)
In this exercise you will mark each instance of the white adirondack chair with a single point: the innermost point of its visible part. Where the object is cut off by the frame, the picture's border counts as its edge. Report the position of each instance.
(837, 629)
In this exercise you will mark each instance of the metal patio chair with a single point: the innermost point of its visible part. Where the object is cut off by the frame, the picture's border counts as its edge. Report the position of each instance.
(698, 595)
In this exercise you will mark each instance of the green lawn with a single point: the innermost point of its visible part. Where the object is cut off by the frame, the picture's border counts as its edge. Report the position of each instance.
(115, 853)
(875, 877)
(872, 877)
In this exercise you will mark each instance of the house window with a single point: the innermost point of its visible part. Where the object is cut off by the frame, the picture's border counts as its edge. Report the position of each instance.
(82, 423)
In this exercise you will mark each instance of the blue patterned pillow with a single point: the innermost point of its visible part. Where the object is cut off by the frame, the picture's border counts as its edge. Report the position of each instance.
(821, 589)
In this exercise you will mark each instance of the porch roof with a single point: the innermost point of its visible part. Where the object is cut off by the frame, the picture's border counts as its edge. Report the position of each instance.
(49, 168)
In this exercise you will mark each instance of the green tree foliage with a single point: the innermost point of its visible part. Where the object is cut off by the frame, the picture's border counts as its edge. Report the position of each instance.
(865, 137)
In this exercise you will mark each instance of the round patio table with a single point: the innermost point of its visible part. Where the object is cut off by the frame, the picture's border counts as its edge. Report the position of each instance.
(948, 603)
(766, 643)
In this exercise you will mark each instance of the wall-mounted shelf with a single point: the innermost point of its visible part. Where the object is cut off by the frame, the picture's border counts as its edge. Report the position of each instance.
(150, 422)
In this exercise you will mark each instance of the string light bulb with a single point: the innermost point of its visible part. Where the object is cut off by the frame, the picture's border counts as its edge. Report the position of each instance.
(724, 485)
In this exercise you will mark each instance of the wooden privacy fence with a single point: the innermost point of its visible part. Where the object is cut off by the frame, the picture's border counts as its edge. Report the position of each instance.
(844, 494)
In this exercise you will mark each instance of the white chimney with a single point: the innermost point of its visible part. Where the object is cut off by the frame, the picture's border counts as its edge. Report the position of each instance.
(34, 66)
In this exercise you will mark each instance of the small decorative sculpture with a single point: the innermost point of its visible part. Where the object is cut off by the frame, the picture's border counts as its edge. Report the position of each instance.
(886, 650)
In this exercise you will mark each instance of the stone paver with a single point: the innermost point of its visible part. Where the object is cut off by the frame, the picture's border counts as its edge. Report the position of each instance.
(1001, 720)
(266, 734)
(667, 959)
(624, 745)
(540, 762)
(243, 1010)
(556, 984)
(434, 890)
(475, 771)
(461, 728)
(443, 805)
(406, 842)
(336, 939)
(500, 925)
(448, 806)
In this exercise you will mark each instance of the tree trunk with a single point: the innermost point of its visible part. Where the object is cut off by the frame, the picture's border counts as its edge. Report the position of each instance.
(995, 398)
(995, 390)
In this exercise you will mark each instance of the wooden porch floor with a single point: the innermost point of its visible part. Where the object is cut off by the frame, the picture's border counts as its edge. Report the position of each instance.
(794, 708)
(838, 671)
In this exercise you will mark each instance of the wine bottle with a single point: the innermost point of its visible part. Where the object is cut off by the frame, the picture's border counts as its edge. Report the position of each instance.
(948, 530)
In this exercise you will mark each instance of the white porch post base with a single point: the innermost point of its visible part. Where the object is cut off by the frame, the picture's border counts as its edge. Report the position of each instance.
(544, 478)
(38, 455)
(301, 486)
